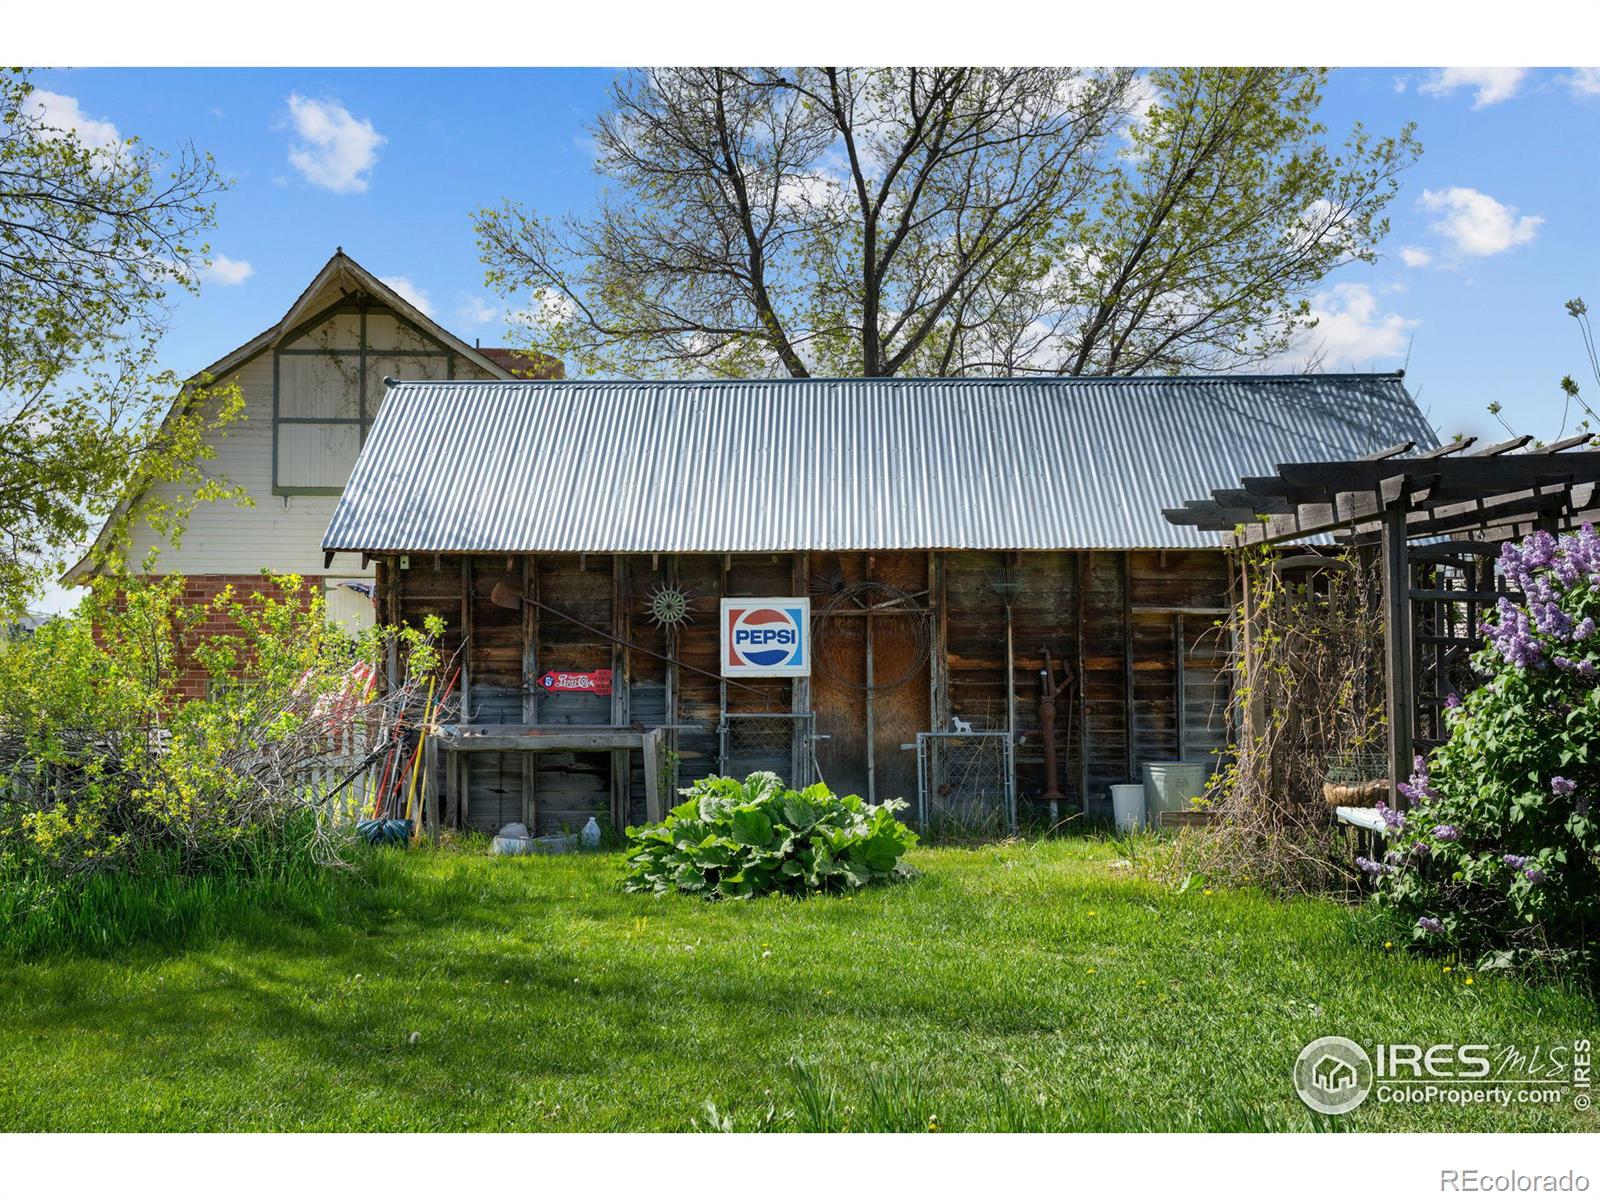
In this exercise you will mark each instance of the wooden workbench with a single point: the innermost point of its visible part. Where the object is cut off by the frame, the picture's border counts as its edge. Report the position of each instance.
(455, 742)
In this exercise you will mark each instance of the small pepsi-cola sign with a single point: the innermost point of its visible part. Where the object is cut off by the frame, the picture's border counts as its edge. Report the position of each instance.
(766, 635)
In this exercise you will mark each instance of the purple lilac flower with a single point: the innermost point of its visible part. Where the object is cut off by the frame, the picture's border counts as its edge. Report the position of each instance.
(1515, 861)
(1446, 833)
(1430, 924)
(1374, 868)
(1393, 818)
(1562, 786)
(1545, 570)
(1452, 701)
(1513, 636)
(1421, 848)
(1418, 788)
(1533, 875)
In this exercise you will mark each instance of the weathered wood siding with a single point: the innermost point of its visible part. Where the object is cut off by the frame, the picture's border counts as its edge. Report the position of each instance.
(1136, 629)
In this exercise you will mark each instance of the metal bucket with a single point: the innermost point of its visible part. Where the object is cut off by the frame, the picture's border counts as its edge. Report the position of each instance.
(1170, 786)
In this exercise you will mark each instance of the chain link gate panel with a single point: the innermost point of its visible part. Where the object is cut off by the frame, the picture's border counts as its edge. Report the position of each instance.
(782, 743)
(965, 784)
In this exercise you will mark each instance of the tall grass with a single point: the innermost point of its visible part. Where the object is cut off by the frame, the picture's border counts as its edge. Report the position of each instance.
(267, 876)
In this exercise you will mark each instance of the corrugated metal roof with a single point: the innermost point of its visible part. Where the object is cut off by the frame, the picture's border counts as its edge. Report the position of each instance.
(769, 465)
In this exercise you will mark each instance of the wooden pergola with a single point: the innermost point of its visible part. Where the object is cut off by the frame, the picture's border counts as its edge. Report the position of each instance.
(1436, 520)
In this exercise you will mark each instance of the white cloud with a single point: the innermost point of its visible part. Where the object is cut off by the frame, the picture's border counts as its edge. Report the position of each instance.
(474, 310)
(548, 308)
(1476, 224)
(1143, 95)
(66, 116)
(1584, 81)
(1351, 331)
(1401, 83)
(409, 291)
(227, 272)
(1493, 84)
(336, 149)
(1415, 256)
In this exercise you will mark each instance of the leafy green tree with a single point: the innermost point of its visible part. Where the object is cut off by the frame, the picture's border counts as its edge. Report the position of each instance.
(94, 241)
(948, 221)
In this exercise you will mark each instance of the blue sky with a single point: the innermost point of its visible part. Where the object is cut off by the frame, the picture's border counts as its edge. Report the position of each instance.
(1493, 230)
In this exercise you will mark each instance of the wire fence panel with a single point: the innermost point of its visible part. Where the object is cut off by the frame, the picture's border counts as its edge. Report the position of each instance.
(965, 785)
(782, 743)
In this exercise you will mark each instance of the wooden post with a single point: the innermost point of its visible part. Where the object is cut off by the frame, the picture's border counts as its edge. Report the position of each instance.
(938, 654)
(722, 684)
(466, 676)
(431, 790)
(672, 680)
(451, 779)
(1397, 643)
(530, 689)
(1178, 649)
(466, 638)
(800, 691)
(1130, 721)
(621, 686)
(872, 730)
(651, 754)
(1084, 562)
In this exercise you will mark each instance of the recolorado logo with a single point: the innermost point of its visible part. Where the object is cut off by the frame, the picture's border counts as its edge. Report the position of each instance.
(766, 636)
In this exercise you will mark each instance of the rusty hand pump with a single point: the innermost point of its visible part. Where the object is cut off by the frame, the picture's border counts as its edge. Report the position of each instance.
(1049, 689)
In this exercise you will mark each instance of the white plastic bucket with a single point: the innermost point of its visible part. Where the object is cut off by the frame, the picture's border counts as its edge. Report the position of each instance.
(1127, 805)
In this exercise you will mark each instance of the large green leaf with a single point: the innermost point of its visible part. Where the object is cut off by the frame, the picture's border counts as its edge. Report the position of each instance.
(740, 839)
(751, 827)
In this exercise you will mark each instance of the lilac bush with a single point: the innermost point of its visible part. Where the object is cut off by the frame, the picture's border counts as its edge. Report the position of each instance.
(1497, 854)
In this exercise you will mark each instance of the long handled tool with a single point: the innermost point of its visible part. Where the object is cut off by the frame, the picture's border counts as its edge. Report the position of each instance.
(416, 765)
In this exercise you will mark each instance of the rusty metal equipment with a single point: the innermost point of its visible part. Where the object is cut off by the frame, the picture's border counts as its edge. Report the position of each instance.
(1049, 689)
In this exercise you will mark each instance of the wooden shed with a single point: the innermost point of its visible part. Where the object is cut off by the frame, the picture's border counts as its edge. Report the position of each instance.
(579, 539)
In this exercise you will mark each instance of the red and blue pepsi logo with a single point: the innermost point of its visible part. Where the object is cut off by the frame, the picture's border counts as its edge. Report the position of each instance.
(764, 637)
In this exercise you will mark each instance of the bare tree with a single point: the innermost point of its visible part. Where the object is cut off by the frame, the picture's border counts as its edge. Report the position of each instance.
(946, 221)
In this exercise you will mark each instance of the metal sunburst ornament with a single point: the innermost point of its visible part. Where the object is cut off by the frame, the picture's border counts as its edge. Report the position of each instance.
(669, 606)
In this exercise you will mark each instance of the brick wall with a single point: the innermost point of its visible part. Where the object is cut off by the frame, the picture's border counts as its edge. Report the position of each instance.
(202, 589)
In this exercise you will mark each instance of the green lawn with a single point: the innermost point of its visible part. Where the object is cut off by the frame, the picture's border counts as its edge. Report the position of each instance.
(1031, 986)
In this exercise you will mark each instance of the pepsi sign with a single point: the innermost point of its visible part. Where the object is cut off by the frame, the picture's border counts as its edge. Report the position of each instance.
(766, 635)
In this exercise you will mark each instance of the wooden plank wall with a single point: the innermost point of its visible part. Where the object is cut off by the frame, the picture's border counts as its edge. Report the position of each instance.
(1123, 621)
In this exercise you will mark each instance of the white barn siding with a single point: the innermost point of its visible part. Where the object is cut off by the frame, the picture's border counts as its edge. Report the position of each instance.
(280, 534)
